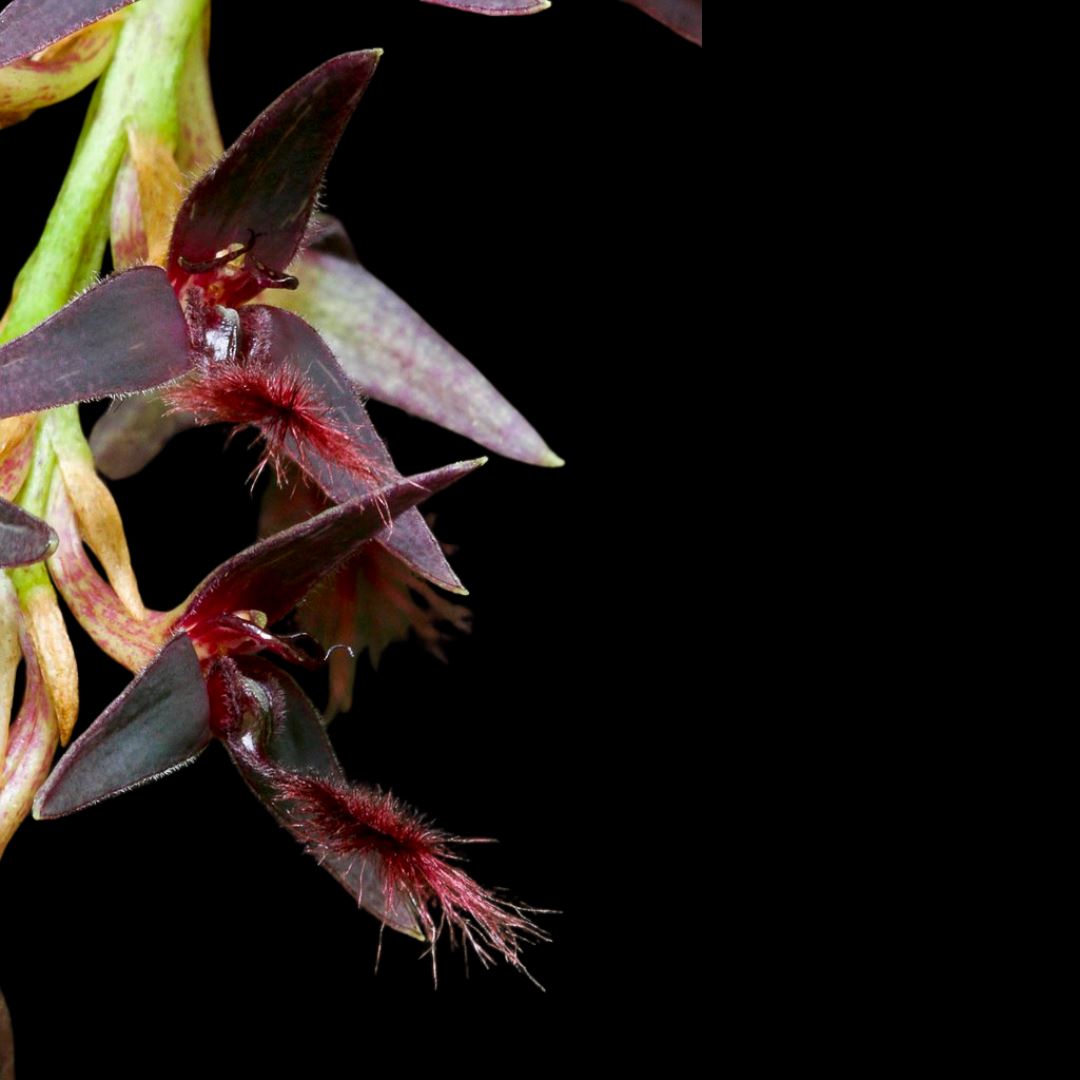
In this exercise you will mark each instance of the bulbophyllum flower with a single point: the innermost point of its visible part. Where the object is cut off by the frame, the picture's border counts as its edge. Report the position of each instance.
(227, 359)
(682, 16)
(211, 680)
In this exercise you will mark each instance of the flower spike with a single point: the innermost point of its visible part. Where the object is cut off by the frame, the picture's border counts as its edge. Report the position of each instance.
(93, 348)
(394, 356)
(23, 539)
(257, 200)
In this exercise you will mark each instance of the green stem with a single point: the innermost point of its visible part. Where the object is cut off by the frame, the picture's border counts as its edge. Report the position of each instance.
(139, 89)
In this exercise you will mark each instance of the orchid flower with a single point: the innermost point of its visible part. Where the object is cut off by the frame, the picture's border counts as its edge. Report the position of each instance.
(209, 681)
(187, 316)
(234, 236)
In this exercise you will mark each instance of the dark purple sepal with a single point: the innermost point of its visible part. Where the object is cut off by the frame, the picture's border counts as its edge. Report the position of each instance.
(292, 341)
(276, 574)
(262, 192)
(23, 539)
(30, 26)
(159, 723)
(125, 335)
(290, 737)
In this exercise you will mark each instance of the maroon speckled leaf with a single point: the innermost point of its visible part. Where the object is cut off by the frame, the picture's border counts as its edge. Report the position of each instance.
(682, 16)
(495, 7)
(274, 575)
(159, 723)
(292, 341)
(124, 335)
(263, 190)
(291, 737)
(29, 26)
(388, 350)
(23, 539)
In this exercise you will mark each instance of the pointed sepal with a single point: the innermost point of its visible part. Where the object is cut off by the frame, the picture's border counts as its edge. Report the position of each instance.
(124, 335)
(23, 539)
(395, 357)
(258, 198)
(292, 343)
(288, 738)
(275, 575)
(159, 723)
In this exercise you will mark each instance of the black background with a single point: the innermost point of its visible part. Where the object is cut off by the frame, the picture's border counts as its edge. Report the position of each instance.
(533, 187)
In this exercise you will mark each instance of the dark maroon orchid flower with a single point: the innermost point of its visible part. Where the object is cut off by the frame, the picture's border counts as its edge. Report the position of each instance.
(227, 360)
(211, 680)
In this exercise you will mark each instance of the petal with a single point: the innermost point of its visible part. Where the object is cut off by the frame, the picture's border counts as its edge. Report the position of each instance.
(395, 357)
(291, 341)
(292, 739)
(29, 26)
(159, 723)
(682, 16)
(274, 575)
(495, 7)
(30, 751)
(23, 539)
(267, 183)
(126, 334)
